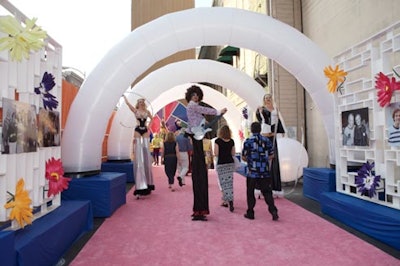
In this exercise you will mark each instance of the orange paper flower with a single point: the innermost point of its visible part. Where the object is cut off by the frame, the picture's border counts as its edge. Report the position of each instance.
(335, 76)
(54, 173)
(20, 204)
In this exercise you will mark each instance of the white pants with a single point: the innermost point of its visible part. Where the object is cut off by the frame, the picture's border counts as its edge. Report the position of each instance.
(183, 165)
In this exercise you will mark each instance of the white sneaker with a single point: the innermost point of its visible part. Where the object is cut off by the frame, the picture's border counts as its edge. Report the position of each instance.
(277, 194)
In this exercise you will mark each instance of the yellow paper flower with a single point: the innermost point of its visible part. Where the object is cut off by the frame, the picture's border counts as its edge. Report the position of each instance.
(20, 41)
(20, 204)
(335, 76)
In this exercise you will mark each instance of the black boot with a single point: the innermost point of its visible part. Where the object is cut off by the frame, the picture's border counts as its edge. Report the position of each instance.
(231, 208)
(180, 181)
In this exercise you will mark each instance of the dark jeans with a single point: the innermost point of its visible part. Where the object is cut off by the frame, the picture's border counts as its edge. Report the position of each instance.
(264, 184)
(156, 154)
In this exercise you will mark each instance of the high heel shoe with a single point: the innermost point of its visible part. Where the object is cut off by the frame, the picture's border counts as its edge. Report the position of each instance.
(231, 208)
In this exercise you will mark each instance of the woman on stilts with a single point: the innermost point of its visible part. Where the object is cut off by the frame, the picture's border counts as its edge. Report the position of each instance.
(271, 125)
(141, 146)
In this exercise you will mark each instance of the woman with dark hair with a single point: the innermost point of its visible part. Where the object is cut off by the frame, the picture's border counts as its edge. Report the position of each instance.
(195, 112)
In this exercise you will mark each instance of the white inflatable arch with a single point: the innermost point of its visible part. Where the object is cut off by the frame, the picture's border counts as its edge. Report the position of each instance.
(120, 135)
(146, 45)
(160, 80)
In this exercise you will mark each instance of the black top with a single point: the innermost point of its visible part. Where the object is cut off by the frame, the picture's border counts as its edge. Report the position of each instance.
(169, 148)
(224, 151)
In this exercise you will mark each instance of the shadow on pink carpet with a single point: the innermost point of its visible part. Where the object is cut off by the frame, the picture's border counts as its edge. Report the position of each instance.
(158, 230)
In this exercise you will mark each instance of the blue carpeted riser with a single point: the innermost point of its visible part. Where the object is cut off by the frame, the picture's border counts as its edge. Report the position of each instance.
(122, 167)
(377, 221)
(8, 254)
(106, 191)
(317, 181)
(49, 237)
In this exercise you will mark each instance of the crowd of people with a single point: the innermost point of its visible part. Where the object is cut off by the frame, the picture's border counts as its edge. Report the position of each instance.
(188, 150)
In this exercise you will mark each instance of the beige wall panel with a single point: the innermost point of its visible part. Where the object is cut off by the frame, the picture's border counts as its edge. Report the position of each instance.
(289, 94)
(342, 23)
(143, 11)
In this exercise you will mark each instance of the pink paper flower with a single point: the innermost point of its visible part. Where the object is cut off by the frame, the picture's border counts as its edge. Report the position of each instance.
(385, 87)
(54, 173)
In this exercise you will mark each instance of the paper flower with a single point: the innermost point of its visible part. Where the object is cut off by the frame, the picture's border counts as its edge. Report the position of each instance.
(366, 181)
(54, 173)
(385, 87)
(241, 135)
(335, 76)
(245, 113)
(45, 86)
(20, 204)
(20, 41)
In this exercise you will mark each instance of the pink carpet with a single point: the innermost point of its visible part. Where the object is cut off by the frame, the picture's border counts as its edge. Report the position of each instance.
(158, 230)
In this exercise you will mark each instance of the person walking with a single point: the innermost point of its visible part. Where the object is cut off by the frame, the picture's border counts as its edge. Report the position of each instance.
(183, 160)
(170, 158)
(224, 150)
(257, 151)
(157, 143)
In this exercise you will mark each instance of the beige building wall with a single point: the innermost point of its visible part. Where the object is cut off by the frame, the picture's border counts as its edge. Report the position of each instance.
(144, 11)
(288, 92)
(249, 62)
(336, 26)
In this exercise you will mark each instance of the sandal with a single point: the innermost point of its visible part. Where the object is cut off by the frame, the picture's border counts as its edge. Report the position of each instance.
(224, 204)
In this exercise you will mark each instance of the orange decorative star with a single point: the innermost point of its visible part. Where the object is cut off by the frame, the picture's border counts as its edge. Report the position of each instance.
(335, 76)
(54, 173)
(20, 204)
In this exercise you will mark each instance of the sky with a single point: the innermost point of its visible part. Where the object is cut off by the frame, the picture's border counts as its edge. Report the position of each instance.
(86, 35)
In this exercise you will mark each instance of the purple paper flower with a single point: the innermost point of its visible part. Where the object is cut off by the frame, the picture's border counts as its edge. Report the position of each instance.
(366, 181)
(245, 113)
(49, 101)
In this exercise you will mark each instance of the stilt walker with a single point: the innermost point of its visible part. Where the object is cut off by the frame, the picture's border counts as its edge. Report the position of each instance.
(142, 160)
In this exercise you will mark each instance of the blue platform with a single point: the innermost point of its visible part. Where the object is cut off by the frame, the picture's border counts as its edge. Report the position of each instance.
(49, 237)
(374, 220)
(317, 181)
(122, 167)
(106, 191)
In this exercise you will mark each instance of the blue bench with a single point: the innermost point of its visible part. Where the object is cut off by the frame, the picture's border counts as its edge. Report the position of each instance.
(317, 181)
(106, 191)
(122, 167)
(49, 237)
(375, 220)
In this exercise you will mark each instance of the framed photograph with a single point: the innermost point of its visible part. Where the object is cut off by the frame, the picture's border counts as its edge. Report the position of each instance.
(48, 128)
(355, 127)
(393, 124)
(19, 133)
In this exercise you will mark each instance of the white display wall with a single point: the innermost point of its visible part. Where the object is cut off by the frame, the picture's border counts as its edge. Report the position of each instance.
(362, 62)
(20, 78)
